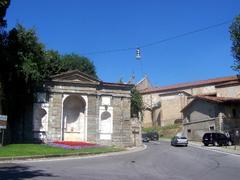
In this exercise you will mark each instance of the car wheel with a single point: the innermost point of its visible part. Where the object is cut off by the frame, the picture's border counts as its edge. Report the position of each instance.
(205, 144)
(215, 143)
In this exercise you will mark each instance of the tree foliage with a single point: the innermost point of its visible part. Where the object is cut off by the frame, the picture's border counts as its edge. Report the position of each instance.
(52, 64)
(24, 66)
(235, 37)
(136, 103)
(74, 61)
(20, 73)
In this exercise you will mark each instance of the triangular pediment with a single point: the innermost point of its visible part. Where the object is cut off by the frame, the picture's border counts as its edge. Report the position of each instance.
(74, 76)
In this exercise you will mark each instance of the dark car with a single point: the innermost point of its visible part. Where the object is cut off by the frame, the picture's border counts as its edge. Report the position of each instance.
(179, 141)
(153, 136)
(145, 137)
(216, 139)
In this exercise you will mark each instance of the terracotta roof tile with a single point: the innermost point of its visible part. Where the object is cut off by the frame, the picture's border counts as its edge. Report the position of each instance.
(190, 84)
(219, 99)
(212, 99)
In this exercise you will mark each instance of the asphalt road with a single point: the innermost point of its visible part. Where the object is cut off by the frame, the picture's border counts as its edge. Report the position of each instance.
(159, 161)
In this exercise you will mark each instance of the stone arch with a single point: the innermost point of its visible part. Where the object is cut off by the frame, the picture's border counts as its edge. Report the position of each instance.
(74, 107)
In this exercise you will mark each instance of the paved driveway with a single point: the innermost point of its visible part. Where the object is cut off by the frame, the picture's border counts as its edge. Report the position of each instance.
(158, 161)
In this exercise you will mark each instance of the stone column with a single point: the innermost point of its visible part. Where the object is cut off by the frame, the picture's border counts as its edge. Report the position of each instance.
(92, 119)
(219, 122)
(54, 118)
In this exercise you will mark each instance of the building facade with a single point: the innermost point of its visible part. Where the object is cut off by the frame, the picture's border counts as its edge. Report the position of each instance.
(77, 107)
(163, 105)
(211, 114)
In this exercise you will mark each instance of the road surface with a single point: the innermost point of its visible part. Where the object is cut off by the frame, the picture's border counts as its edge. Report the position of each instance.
(159, 161)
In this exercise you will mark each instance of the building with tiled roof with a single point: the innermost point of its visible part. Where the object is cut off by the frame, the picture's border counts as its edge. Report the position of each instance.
(195, 84)
(211, 114)
(163, 104)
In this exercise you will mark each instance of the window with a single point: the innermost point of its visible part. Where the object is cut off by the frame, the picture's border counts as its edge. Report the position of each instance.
(189, 130)
(234, 113)
(211, 128)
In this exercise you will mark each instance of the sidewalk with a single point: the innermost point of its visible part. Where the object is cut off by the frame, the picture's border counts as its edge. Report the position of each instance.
(227, 149)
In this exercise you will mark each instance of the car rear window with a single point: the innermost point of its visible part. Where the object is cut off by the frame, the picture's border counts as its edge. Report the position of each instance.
(206, 135)
(183, 138)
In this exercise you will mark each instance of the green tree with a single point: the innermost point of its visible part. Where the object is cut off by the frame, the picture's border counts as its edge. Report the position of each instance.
(24, 66)
(136, 103)
(52, 64)
(235, 37)
(74, 61)
(20, 74)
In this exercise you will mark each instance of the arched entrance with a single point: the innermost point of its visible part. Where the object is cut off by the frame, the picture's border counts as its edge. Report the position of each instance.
(74, 118)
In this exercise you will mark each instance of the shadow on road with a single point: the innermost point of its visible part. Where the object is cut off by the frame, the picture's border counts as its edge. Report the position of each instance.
(19, 172)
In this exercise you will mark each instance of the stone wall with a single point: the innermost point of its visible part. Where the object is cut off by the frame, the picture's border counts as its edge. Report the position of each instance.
(194, 131)
(149, 102)
(209, 89)
(200, 110)
(199, 118)
(147, 118)
(171, 105)
(121, 122)
(229, 91)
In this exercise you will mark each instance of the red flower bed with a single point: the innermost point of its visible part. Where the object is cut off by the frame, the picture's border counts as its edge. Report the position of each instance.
(73, 143)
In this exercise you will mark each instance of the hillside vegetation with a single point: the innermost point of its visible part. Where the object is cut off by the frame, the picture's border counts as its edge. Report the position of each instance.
(166, 131)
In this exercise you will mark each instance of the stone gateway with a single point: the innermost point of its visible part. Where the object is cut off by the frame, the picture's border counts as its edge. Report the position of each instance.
(78, 107)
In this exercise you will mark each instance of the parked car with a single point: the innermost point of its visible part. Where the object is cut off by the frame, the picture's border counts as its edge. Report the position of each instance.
(179, 141)
(145, 137)
(216, 139)
(153, 136)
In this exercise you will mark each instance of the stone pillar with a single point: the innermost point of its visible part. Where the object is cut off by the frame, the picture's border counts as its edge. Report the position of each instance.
(55, 113)
(219, 122)
(122, 132)
(136, 126)
(92, 119)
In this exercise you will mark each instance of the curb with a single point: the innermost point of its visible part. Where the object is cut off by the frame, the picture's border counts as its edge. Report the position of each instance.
(213, 148)
(55, 156)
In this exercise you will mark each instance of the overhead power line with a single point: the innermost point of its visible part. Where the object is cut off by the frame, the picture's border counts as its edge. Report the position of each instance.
(159, 41)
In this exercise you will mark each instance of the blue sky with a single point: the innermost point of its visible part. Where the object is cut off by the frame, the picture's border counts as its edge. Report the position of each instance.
(77, 26)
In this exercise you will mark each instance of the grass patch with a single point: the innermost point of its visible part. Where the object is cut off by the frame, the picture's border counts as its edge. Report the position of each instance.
(167, 131)
(15, 150)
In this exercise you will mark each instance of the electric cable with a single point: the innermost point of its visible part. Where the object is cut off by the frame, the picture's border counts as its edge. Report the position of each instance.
(159, 41)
